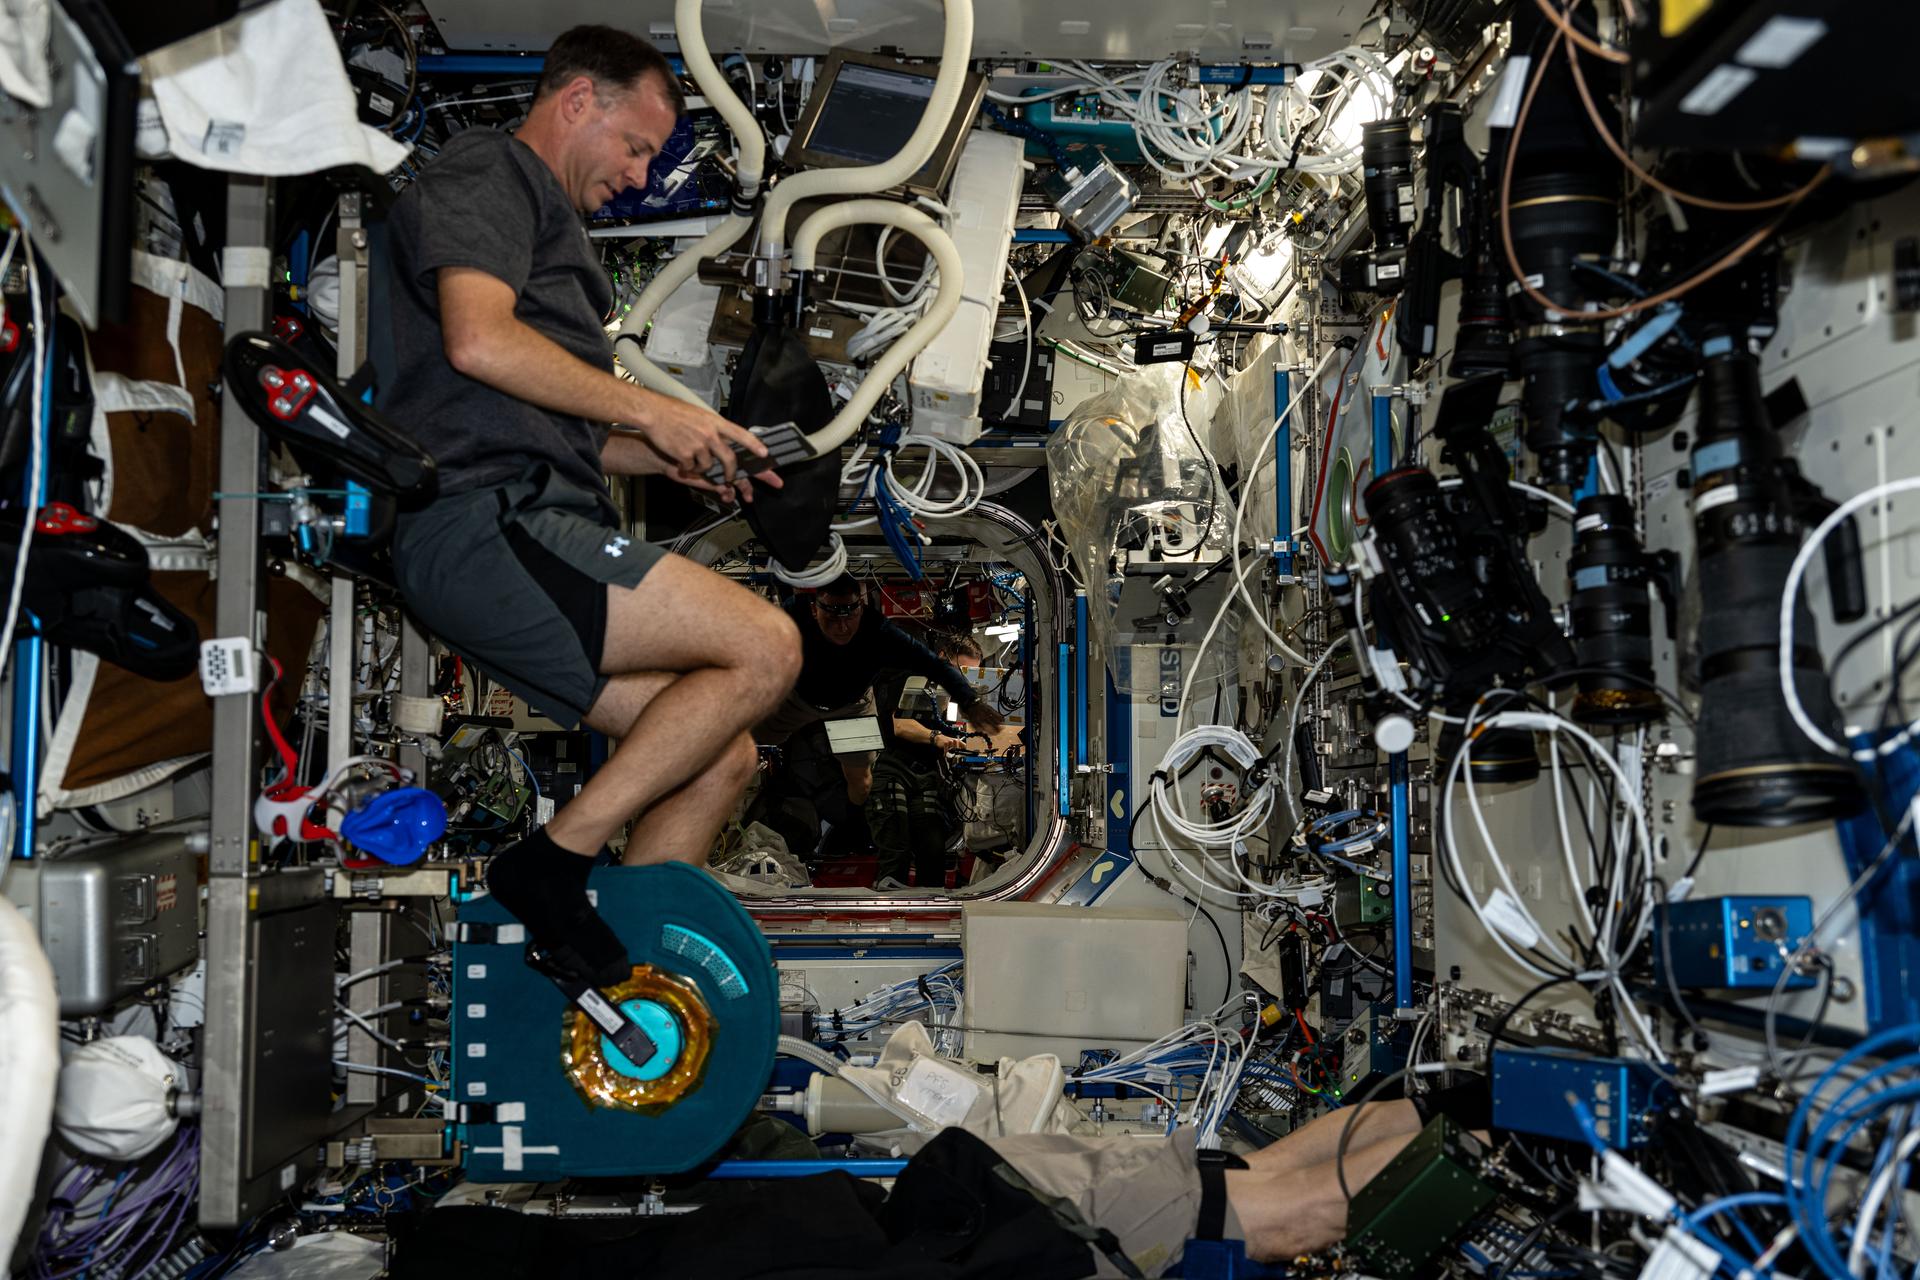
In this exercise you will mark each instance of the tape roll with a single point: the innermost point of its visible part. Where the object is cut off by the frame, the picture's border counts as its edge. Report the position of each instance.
(418, 715)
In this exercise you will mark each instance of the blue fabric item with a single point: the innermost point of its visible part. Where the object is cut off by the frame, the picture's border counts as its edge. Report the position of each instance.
(397, 826)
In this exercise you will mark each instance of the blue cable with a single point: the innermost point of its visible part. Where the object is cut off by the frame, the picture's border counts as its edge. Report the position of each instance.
(895, 524)
(531, 780)
(1870, 1107)
(1612, 396)
(1349, 842)
(1627, 286)
(119, 1182)
(1369, 873)
(1803, 1147)
(1642, 339)
(1743, 1198)
(1583, 1115)
(1881, 1159)
(1334, 819)
(1883, 1257)
(1699, 1216)
(1732, 1257)
(1021, 128)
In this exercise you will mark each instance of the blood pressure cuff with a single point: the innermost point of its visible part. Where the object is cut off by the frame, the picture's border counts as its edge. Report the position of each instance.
(777, 381)
(1468, 1104)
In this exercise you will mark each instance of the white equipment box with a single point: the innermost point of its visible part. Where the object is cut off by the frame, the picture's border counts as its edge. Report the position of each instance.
(1081, 977)
(947, 377)
(677, 342)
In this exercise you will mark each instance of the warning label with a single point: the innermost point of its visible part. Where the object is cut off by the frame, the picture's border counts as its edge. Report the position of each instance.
(166, 894)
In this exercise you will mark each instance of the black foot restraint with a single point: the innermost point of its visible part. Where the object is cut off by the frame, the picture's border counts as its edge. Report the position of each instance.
(545, 886)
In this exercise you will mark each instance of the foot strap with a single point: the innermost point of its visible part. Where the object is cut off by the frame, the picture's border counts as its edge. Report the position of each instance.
(625, 1033)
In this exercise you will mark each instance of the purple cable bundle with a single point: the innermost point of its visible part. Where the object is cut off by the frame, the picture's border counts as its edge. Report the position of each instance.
(128, 1222)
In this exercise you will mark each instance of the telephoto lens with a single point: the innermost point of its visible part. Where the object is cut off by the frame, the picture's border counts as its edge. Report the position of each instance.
(1432, 573)
(1558, 222)
(1386, 162)
(1612, 616)
(1755, 768)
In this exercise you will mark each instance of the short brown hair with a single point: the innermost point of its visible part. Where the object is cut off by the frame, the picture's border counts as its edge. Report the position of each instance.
(952, 645)
(615, 60)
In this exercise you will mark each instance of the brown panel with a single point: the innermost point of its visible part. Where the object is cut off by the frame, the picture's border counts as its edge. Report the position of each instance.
(132, 723)
(163, 465)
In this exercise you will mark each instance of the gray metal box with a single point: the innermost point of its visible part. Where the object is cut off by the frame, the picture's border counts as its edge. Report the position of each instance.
(113, 918)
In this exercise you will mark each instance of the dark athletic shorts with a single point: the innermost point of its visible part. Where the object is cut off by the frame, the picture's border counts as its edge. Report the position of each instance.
(514, 577)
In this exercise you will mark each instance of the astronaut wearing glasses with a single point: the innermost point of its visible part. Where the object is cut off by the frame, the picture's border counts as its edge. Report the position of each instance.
(845, 647)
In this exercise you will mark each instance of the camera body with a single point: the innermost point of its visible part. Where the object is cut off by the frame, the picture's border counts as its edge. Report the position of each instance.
(1386, 158)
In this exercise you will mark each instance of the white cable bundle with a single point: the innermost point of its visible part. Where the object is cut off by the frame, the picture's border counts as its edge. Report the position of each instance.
(1147, 1063)
(1202, 136)
(915, 291)
(1185, 134)
(1504, 913)
(1289, 110)
(883, 326)
(817, 575)
(1229, 834)
(918, 497)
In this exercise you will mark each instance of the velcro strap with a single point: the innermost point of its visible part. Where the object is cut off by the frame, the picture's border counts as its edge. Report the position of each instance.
(1213, 1166)
(485, 932)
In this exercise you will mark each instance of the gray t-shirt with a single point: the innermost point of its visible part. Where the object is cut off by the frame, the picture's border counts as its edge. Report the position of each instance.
(488, 202)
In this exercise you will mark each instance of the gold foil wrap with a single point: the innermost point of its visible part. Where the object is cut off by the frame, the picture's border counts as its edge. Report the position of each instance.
(600, 1085)
(1614, 700)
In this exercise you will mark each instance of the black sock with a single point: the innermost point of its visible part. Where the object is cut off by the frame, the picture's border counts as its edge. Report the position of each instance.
(545, 887)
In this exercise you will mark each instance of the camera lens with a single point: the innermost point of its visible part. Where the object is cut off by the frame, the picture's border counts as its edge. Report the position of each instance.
(1612, 615)
(1386, 159)
(1755, 767)
(1558, 221)
(1495, 755)
(1432, 573)
(1481, 340)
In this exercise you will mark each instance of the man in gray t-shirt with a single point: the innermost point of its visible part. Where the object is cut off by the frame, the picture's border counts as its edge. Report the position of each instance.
(503, 371)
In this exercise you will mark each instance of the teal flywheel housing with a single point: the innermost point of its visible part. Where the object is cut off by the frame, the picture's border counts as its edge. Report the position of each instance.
(519, 1118)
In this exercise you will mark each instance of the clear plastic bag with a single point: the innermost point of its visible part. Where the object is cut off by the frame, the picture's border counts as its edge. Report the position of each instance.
(1130, 482)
